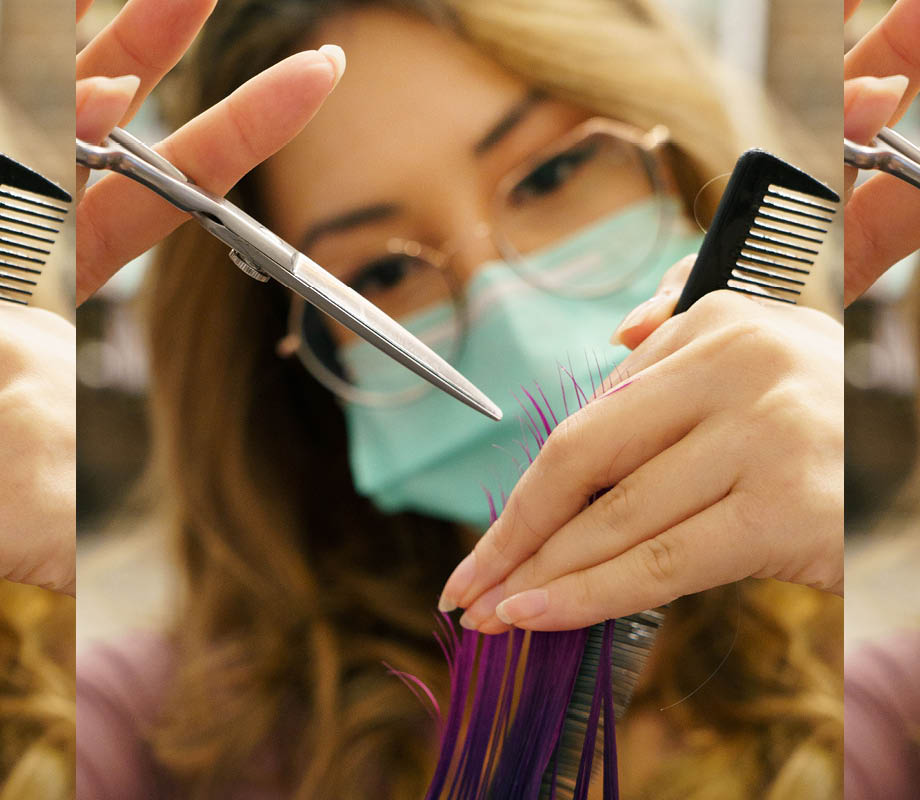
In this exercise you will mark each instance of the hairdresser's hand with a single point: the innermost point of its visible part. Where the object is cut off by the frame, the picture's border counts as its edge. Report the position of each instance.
(725, 451)
(37, 448)
(117, 219)
(882, 214)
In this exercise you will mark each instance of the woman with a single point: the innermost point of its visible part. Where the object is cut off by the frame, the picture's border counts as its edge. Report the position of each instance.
(298, 585)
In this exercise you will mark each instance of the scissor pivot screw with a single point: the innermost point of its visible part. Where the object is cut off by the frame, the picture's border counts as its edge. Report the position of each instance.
(252, 271)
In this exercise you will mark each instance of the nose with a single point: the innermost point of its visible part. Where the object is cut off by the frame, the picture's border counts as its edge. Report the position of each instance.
(467, 253)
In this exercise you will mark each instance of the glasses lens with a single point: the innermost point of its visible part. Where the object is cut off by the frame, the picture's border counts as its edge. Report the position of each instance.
(581, 189)
(414, 292)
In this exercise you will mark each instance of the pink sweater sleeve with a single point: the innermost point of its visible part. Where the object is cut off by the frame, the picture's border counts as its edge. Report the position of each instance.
(882, 725)
(118, 690)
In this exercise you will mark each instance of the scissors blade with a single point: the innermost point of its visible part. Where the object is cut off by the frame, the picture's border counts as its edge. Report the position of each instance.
(363, 318)
(269, 254)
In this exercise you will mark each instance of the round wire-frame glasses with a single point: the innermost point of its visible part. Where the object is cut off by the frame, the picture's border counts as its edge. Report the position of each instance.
(573, 186)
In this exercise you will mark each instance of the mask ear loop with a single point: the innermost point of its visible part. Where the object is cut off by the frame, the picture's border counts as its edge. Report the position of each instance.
(699, 194)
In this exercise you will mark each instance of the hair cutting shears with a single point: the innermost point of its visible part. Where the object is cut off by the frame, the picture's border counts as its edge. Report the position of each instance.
(889, 152)
(262, 255)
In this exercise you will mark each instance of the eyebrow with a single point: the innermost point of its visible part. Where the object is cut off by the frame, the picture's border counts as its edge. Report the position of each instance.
(348, 220)
(380, 211)
(507, 123)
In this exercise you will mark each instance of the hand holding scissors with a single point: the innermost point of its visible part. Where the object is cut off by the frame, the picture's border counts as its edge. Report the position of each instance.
(218, 147)
(882, 214)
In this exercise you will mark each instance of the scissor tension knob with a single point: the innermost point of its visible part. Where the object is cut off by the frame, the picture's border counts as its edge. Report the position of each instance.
(250, 269)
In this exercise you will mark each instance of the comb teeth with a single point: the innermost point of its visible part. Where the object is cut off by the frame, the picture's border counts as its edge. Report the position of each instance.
(28, 225)
(773, 253)
(633, 638)
(766, 233)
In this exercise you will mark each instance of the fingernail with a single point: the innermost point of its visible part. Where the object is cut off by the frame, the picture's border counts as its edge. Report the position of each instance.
(129, 84)
(492, 626)
(101, 106)
(635, 317)
(467, 622)
(522, 606)
(484, 607)
(895, 84)
(878, 99)
(123, 84)
(458, 583)
(336, 56)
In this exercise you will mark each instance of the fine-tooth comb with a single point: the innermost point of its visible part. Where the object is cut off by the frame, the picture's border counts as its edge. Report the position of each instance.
(28, 227)
(766, 233)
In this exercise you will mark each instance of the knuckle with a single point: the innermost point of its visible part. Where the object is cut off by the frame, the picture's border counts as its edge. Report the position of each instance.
(585, 591)
(619, 502)
(563, 444)
(782, 413)
(659, 559)
(496, 546)
(758, 346)
(746, 516)
(13, 361)
(720, 304)
(131, 51)
(241, 121)
(499, 548)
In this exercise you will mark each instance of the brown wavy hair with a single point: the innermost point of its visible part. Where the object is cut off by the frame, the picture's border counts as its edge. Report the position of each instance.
(297, 588)
(37, 706)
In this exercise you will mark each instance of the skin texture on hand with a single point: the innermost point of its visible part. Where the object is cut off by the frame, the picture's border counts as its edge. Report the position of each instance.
(37, 448)
(881, 215)
(215, 149)
(724, 449)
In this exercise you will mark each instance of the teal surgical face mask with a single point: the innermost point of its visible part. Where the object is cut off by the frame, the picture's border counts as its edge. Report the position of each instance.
(434, 455)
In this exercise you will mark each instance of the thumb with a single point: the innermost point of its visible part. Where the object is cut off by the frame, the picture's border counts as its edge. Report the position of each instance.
(101, 103)
(645, 318)
(868, 104)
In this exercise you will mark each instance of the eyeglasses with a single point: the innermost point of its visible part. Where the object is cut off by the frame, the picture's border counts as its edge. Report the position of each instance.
(566, 190)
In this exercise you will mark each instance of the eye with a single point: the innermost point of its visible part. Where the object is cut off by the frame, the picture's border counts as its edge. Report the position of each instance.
(552, 173)
(383, 274)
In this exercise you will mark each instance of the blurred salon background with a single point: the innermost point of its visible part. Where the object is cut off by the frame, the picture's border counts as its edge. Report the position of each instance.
(882, 487)
(789, 49)
(37, 714)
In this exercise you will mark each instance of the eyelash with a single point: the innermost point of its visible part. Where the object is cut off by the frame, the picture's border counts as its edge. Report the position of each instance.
(566, 162)
(543, 179)
(381, 273)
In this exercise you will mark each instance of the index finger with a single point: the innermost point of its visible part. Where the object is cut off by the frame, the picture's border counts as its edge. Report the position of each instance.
(589, 451)
(890, 48)
(147, 38)
(120, 219)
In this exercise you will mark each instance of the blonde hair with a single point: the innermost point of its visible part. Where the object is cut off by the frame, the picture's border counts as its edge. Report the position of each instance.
(298, 588)
(37, 706)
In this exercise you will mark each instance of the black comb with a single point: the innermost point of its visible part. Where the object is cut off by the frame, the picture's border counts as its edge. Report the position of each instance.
(32, 210)
(767, 232)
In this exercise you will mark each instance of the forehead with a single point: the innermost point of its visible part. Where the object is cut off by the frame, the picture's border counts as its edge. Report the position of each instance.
(412, 103)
